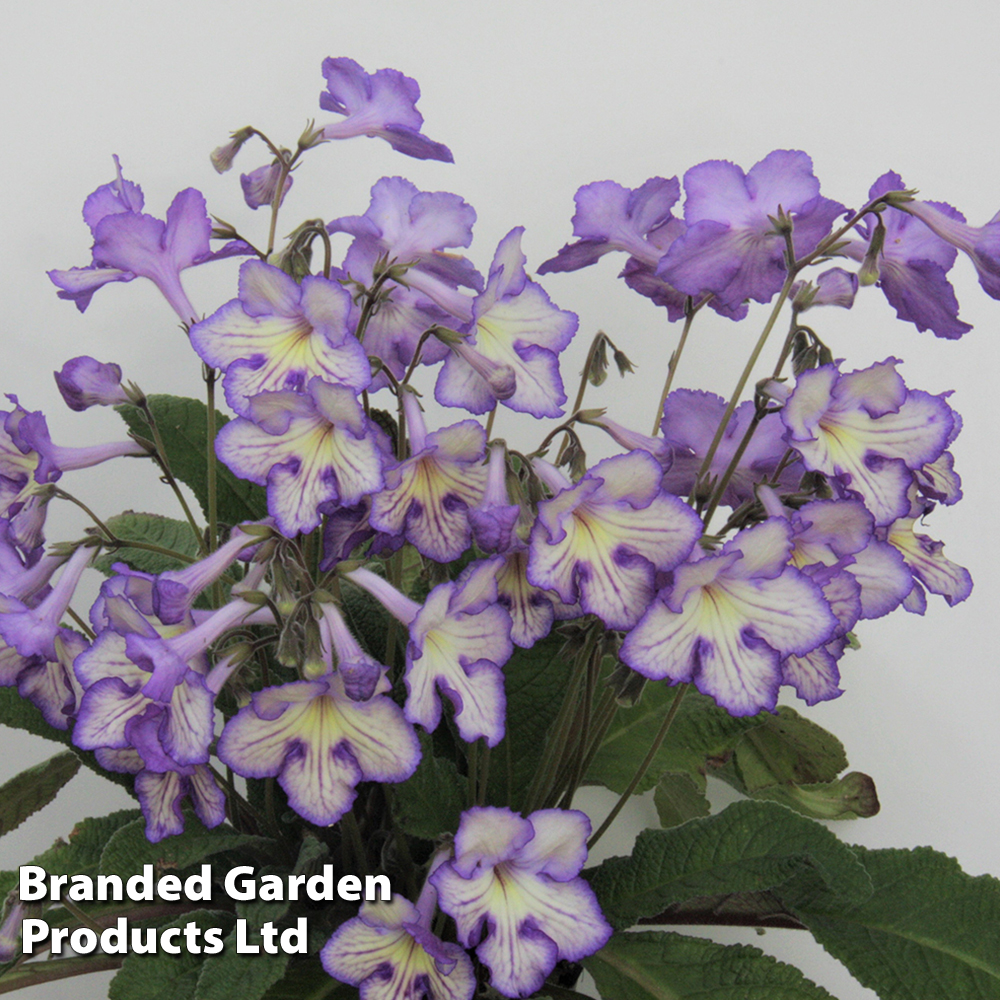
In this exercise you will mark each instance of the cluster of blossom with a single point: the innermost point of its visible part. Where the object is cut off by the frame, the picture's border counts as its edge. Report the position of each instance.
(826, 478)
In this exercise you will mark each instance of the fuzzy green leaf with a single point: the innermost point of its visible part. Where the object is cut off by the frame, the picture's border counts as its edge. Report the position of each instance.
(680, 797)
(163, 976)
(19, 713)
(80, 853)
(308, 980)
(34, 789)
(247, 977)
(658, 965)
(928, 930)
(183, 427)
(153, 529)
(535, 680)
(749, 847)
(431, 801)
(701, 730)
(128, 850)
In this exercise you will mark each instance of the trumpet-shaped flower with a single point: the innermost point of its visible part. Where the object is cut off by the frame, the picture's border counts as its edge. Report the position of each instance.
(261, 185)
(85, 382)
(690, 418)
(728, 620)
(279, 335)
(389, 950)
(459, 640)
(412, 227)
(308, 449)
(913, 263)
(427, 497)
(493, 519)
(28, 433)
(514, 891)
(511, 324)
(981, 244)
(319, 743)
(930, 568)
(383, 104)
(602, 541)
(868, 431)
(730, 247)
(129, 244)
(611, 217)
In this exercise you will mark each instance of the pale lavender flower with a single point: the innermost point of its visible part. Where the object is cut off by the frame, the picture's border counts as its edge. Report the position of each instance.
(319, 743)
(427, 497)
(835, 287)
(412, 227)
(85, 382)
(690, 418)
(459, 641)
(279, 334)
(390, 952)
(730, 248)
(28, 432)
(867, 431)
(913, 264)
(493, 520)
(729, 619)
(512, 324)
(602, 541)
(514, 891)
(309, 449)
(383, 104)
(981, 244)
(129, 244)
(261, 185)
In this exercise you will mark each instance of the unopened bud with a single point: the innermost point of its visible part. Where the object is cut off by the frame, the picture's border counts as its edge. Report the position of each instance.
(598, 370)
(223, 156)
(311, 136)
(803, 295)
(896, 198)
(223, 230)
(869, 272)
(257, 530)
(255, 597)
(625, 366)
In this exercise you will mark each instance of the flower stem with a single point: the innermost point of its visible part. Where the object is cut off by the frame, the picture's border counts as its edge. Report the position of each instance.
(643, 767)
(690, 311)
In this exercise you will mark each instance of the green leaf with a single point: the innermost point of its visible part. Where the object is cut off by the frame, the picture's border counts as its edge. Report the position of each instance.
(785, 749)
(34, 788)
(128, 850)
(658, 965)
(535, 680)
(431, 801)
(248, 977)
(749, 847)
(308, 980)
(183, 427)
(19, 713)
(367, 619)
(680, 797)
(154, 529)
(701, 730)
(80, 853)
(163, 976)
(791, 760)
(928, 931)
(848, 797)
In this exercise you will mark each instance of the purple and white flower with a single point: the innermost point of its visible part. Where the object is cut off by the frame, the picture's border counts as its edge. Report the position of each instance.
(729, 619)
(867, 431)
(308, 449)
(280, 334)
(602, 541)
(514, 891)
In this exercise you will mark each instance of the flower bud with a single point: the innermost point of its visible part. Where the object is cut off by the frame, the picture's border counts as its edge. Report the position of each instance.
(223, 156)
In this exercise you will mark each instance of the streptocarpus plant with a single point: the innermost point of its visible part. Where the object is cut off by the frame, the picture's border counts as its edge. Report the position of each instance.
(392, 643)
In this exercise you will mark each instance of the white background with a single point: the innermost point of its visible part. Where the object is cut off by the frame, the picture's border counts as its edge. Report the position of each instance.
(535, 100)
